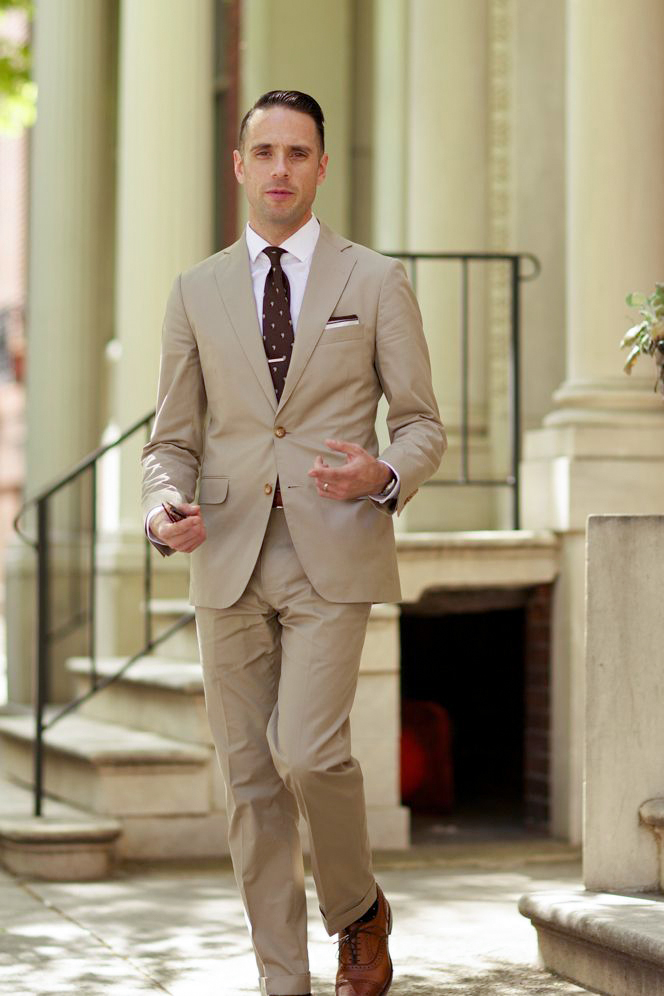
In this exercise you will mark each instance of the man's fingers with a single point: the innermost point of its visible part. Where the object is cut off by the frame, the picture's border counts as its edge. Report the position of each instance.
(331, 475)
(326, 492)
(191, 529)
(319, 465)
(188, 542)
(183, 526)
(341, 446)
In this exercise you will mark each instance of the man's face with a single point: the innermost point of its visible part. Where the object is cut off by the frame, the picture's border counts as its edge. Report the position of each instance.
(280, 167)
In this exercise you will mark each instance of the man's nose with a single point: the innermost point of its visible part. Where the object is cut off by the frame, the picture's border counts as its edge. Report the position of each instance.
(280, 166)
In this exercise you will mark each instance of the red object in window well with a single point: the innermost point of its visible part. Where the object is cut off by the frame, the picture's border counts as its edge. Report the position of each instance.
(427, 771)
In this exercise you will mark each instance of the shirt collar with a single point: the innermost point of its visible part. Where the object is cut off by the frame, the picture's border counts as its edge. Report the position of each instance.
(300, 244)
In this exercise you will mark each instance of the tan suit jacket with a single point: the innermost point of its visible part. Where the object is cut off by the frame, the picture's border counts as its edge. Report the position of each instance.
(218, 424)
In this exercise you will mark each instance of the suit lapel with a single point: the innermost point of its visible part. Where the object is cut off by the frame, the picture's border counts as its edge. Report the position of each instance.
(331, 266)
(233, 278)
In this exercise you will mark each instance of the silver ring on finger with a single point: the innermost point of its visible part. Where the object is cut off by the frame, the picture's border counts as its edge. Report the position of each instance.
(325, 486)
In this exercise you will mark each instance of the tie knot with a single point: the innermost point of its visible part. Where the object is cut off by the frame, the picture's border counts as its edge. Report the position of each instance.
(274, 254)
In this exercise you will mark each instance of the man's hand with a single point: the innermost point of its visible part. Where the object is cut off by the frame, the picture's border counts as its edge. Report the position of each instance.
(184, 535)
(361, 475)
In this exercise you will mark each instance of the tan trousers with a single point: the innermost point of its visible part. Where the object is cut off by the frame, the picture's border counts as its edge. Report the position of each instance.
(280, 671)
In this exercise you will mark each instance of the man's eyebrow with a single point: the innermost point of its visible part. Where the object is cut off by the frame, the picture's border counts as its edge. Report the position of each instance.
(259, 146)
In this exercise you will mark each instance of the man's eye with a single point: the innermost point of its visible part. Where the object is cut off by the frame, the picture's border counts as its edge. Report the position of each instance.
(263, 153)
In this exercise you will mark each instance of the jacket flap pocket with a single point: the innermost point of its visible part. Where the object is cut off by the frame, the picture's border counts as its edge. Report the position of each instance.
(213, 489)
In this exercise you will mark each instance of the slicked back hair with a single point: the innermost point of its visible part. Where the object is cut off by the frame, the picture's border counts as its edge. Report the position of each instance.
(295, 100)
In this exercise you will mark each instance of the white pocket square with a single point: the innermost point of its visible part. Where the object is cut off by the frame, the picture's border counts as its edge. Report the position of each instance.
(339, 321)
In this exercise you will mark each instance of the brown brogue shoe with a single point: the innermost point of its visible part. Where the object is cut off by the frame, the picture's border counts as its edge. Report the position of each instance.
(365, 966)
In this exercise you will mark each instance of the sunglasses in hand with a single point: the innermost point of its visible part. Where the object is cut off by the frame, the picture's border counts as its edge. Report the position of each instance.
(174, 514)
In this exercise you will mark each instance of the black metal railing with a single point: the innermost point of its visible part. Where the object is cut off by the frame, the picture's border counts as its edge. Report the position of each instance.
(512, 293)
(79, 613)
(82, 608)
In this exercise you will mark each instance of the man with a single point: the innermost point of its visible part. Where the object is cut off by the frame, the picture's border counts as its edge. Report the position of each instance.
(275, 353)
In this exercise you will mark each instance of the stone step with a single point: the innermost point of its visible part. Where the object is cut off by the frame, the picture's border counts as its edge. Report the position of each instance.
(609, 943)
(63, 844)
(166, 697)
(380, 651)
(182, 645)
(111, 770)
(157, 694)
(651, 815)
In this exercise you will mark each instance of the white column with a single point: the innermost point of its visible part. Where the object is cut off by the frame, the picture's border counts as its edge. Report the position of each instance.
(538, 196)
(447, 210)
(164, 200)
(391, 106)
(305, 45)
(602, 449)
(71, 232)
(615, 199)
(70, 266)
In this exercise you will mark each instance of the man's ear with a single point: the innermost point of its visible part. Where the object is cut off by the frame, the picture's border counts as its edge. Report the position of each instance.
(238, 166)
(322, 169)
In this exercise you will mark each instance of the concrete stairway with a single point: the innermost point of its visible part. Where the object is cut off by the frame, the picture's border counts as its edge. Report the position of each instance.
(609, 943)
(63, 844)
(140, 751)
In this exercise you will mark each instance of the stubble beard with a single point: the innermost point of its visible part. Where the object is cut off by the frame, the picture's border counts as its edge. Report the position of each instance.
(286, 217)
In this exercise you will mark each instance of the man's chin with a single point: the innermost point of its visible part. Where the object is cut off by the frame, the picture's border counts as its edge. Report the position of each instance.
(286, 216)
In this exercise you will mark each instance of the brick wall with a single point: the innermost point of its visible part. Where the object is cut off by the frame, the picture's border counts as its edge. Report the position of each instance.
(537, 707)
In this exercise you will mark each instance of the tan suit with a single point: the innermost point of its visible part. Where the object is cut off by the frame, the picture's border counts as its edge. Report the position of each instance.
(283, 596)
(213, 361)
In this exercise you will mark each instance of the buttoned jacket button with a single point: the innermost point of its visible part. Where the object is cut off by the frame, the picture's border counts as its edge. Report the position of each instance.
(268, 489)
(280, 431)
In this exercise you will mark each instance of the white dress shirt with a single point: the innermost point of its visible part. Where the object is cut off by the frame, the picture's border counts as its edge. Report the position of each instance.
(296, 264)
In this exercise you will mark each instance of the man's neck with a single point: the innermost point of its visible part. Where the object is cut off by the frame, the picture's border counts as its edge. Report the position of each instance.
(276, 235)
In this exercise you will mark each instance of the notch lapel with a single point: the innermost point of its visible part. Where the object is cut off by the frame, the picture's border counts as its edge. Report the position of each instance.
(331, 266)
(233, 278)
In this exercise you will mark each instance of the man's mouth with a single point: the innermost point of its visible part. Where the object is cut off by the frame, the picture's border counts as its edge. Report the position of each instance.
(279, 193)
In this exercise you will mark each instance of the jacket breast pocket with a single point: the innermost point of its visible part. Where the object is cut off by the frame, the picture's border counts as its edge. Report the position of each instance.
(213, 490)
(343, 334)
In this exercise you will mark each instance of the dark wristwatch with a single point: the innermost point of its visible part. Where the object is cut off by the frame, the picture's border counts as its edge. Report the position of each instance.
(388, 487)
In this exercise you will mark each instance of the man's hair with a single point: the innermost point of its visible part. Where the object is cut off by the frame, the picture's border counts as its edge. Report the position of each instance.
(295, 100)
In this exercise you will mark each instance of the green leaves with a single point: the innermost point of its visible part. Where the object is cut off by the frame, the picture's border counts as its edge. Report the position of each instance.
(647, 336)
(634, 333)
(18, 93)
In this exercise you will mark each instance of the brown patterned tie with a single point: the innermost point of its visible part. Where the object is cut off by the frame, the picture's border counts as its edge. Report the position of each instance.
(277, 324)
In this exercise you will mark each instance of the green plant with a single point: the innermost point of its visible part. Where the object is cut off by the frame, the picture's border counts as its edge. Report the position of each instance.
(18, 93)
(647, 337)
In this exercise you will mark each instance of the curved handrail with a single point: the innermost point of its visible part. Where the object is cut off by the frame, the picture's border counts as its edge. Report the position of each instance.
(78, 468)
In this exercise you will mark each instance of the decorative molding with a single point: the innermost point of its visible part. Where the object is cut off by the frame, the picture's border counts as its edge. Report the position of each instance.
(500, 106)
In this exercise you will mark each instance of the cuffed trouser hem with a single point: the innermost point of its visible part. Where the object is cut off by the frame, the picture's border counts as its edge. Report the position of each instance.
(337, 923)
(285, 985)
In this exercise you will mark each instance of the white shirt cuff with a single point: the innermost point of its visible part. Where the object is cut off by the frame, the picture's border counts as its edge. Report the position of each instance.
(148, 519)
(394, 490)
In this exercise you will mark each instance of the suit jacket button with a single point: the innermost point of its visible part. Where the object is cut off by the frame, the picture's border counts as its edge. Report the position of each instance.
(268, 489)
(280, 431)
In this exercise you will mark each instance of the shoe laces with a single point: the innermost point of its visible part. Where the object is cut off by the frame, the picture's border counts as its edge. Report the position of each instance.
(349, 939)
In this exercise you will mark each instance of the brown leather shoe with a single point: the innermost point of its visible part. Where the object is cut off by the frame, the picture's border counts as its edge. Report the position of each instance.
(365, 966)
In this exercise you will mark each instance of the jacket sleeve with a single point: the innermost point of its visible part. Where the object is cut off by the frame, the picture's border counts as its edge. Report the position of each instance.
(417, 436)
(171, 459)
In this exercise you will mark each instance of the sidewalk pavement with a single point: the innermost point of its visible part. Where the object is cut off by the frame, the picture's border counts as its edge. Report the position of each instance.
(180, 929)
